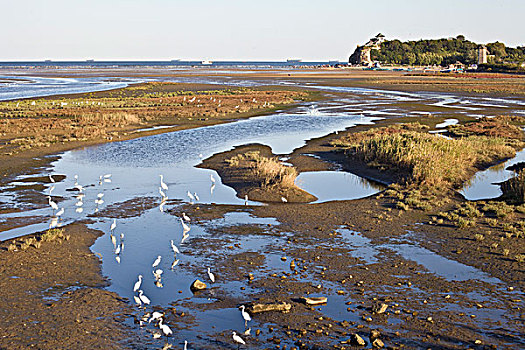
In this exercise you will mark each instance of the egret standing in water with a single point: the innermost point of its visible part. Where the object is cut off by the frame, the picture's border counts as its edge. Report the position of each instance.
(165, 329)
(211, 276)
(174, 248)
(245, 315)
(186, 217)
(144, 298)
(185, 228)
(113, 226)
(137, 284)
(157, 261)
(238, 340)
(162, 184)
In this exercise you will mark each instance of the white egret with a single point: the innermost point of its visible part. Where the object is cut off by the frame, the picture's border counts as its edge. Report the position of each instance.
(245, 315)
(186, 217)
(79, 188)
(162, 184)
(284, 200)
(157, 261)
(113, 225)
(190, 196)
(155, 316)
(79, 210)
(212, 178)
(196, 196)
(144, 298)
(51, 178)
(100, 195)
(117, 250)
(174, 248)
(79, 203)
(165, 329)
(52, 204)
(245, 199)
(137, 300)
(185, 345)
(238, 339)
(137, 284)
(211, 276)
(156, 335)
(107, 176)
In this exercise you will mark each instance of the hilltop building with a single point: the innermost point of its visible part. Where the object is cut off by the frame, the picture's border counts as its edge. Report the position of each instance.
(361, 54)
(483, 54)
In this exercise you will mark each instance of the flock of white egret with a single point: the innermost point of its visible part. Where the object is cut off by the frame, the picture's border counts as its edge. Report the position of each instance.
(141, 300)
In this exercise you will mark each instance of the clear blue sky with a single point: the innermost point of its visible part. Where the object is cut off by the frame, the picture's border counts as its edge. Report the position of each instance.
(240, 29)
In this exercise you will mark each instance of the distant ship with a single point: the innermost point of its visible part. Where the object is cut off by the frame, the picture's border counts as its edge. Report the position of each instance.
(47, 61)
(91, 60)
(206, 63)
(293, 61)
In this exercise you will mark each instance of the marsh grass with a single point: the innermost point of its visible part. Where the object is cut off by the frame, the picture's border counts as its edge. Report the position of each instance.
(425, 160)
(266, 171)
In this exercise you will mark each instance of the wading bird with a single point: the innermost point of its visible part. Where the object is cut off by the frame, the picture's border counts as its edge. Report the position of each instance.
(185, 228)
(245, 315)
(144, 298)
(162, 184)
(165, 329)
(113, 225)
(53, 205)
(211, 276)
(186, 217)
(157, 261)
(137, 284)
(174, 248)
(238, 340)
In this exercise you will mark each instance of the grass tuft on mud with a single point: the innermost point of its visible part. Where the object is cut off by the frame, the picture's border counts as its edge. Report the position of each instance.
(266, 171)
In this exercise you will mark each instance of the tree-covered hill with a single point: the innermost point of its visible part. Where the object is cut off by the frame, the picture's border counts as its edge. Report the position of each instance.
(444, 52)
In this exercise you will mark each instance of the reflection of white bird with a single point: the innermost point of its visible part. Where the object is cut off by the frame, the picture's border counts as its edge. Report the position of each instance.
(238, 339)
(245, 315)
(175, 262)
(184, 237)
(76, 179)
(247, 332)
(185, 228)
(196, 196)
(162, 184)
(211, 276)
(79, 210)
(60, 212)
(174, 248)
(186, 217)
(245, 199)
(212, 188)
(118, 259)
(144, 298)
(158, 274)
(137, 284)
(117, 250)
(164, 197)
(157, 261)
(113, 240)
(113, 225)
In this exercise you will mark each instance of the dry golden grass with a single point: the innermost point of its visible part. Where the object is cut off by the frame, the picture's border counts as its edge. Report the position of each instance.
(426, 160)
(266, 171)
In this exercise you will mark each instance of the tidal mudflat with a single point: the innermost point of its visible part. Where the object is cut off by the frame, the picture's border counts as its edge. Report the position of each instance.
(398, 266)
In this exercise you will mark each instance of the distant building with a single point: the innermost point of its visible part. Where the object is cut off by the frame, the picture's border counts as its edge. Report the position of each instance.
(483, 54)
(361, 54)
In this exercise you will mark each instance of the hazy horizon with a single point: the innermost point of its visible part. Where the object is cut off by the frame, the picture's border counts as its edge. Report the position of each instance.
(233, 30)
